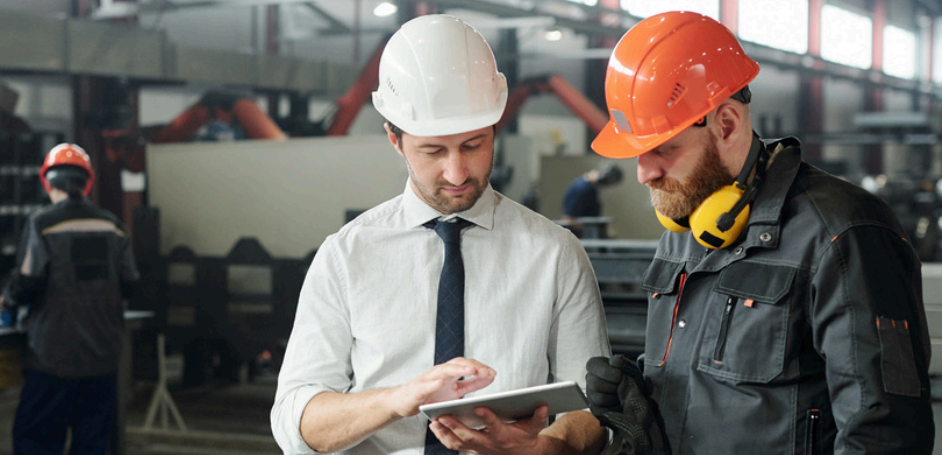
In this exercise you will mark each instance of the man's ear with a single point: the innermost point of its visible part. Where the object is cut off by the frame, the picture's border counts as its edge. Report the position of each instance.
(729, 124)
(393, 139)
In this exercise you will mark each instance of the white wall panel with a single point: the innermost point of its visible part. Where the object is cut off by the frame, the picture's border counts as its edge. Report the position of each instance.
(290, 194)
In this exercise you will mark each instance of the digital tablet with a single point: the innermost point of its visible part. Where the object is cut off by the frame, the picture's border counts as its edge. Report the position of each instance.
(512, 405)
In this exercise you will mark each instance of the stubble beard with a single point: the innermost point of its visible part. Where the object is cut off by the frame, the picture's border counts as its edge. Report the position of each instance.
(676, 200)
(445, 203)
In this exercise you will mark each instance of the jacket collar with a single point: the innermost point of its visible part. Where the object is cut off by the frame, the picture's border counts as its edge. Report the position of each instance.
(417, 212)
(68, 202)
(765, 215)
(781, 172)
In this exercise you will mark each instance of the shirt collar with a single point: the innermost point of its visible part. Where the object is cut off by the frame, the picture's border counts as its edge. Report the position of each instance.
(417, 212)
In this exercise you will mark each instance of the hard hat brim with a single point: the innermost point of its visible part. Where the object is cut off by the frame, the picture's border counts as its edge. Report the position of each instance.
(444, 126)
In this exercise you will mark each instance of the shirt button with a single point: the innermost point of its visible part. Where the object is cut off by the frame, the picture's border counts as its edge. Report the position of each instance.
(682, 323)
(738, 250)
(765, 237)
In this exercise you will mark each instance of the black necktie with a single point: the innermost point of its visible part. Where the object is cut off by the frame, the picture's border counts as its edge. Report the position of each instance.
(449, 324)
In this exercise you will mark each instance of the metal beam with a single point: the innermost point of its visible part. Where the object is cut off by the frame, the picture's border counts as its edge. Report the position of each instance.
(335, 24)
(591, 28)
(111, 10)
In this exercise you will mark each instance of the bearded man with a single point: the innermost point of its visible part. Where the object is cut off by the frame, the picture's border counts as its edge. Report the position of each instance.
(785, 310)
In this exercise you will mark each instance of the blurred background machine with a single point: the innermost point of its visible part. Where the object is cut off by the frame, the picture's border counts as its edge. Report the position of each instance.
(619, 265)
(910, 179)
(22, 150)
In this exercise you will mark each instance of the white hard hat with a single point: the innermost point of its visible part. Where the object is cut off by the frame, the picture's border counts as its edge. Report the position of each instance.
(438, 76)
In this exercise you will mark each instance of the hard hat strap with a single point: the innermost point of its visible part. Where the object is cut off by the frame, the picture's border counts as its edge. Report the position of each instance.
(744, 95)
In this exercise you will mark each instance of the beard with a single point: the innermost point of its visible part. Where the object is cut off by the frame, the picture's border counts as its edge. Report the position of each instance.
(446, 203)
(676, 200)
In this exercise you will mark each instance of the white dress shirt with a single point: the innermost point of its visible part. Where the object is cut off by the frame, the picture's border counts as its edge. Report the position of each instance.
(366, 316)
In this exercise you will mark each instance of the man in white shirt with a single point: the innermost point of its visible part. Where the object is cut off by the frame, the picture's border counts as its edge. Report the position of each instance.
(360, 360)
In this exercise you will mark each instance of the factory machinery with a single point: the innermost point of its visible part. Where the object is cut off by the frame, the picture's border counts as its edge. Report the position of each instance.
(619, 265)
(227, 319)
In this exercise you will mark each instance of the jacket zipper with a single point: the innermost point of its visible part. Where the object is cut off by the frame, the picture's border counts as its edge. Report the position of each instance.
(724, 330)
(680, 290)
(811, 438)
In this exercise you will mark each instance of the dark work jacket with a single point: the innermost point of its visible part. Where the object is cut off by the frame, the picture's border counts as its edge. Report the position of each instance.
(74, 266)
(581, 199)
(806, 336)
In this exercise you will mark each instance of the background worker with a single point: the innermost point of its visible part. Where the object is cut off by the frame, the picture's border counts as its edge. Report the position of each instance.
(385, 324)
(581, 198)
(785, 313)
(74, 269)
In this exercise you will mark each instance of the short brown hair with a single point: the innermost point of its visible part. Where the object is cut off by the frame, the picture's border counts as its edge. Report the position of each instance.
(398, 131)
(395, 130)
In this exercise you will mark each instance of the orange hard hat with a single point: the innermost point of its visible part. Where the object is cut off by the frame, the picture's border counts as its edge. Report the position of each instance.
(67, 154)
(666, 73)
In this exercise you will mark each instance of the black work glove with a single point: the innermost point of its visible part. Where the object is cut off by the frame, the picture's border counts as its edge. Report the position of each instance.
(619, 397)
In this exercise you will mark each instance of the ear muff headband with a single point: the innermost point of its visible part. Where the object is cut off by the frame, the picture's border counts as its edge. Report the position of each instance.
(722, 216)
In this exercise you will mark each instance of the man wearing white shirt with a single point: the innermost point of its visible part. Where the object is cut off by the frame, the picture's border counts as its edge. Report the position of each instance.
(361, 358)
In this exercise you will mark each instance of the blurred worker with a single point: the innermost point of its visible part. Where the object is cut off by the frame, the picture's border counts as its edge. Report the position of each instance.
(789, 318)
(582, 195)
(74, 268)
(378, 330)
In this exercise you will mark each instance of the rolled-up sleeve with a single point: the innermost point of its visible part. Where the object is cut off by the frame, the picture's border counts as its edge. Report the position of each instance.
(579, 330)
(317, 358)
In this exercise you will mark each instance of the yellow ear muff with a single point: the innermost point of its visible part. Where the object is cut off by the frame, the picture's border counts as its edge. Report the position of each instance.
(704, 220)
(671, 224)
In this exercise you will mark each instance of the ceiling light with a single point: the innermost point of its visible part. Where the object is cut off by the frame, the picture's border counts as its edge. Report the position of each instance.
(385, 9)
(553, 34)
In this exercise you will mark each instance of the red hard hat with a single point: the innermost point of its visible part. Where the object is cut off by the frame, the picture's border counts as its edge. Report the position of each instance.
(67, 154)
(666, 73)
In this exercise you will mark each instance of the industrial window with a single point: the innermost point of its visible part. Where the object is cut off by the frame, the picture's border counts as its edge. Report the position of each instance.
(782, 24)
(846, 37)
(645, 8)
(899, 52)
(937, 51)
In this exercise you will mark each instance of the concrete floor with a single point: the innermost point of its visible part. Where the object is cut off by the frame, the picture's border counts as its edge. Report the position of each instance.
(232, 420)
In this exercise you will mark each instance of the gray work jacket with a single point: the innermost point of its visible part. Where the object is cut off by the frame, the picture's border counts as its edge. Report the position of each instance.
(806, 336)
(74, 267)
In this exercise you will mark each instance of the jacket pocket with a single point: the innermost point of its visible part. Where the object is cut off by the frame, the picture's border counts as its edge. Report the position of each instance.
(662, 281)
(896, 357)
(746, 325)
